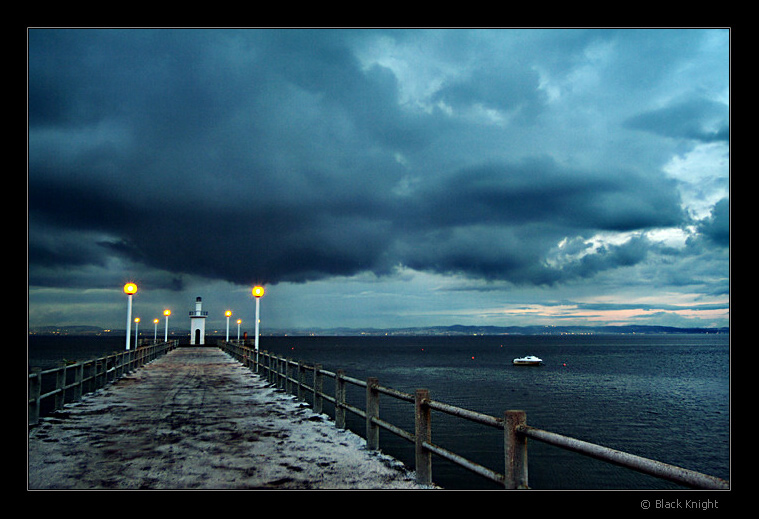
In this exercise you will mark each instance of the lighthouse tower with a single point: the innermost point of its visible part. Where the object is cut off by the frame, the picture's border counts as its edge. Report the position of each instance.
(198, 323)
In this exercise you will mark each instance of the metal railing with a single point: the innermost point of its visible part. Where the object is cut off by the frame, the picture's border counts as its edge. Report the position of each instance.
(49, 390)
(291, 376)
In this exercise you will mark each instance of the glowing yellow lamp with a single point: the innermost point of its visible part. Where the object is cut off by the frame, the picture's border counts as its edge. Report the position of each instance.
(258, 291)
(167, 312)
(228, 313)
(130, 288)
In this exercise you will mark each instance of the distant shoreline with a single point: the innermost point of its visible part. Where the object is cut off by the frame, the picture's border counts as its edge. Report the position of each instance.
(453, 330)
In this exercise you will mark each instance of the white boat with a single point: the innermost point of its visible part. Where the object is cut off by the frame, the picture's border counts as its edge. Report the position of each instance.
(530, 360)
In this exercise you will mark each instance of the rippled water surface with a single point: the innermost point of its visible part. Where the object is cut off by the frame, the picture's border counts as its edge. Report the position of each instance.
(665, 397)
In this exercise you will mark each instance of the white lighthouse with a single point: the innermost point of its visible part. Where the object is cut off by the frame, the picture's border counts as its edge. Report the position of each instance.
(198, 323)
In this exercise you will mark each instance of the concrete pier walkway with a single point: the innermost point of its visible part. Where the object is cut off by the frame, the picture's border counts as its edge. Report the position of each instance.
(197, 419)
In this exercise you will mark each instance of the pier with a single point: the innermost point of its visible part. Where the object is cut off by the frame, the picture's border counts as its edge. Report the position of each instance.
(231, 417)
(195, 418)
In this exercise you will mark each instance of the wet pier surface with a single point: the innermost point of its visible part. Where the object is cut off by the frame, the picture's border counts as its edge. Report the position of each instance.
(197, 419)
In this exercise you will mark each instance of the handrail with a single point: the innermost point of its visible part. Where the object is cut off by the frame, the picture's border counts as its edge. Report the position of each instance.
(55, 384)
(645, 465)
(277, 370)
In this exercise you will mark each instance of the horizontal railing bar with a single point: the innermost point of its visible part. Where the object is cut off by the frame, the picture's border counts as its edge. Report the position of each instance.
(47, 395)
(463, 462)
(467, 414)
(395, 393)
(624, 459)
(394, 429)
(354, 410)
(354, 381)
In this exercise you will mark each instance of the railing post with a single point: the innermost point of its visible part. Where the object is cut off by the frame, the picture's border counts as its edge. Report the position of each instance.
(318, 388)
(340, 399)
(372, 411)
(515, 448)
(87, 377)
(78, 381)
(98, 376)
(35, 389)
(91, 375)
(266, 365)
(301, 374)
(423, 433)
(288, 376)
(110, 367)
(60, 384)
(102, 373)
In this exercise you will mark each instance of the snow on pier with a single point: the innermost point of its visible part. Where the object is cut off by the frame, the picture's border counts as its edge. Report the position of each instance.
(197, 419)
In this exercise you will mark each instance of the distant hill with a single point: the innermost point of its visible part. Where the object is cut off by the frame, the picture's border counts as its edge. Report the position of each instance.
(452, 330)
(505, 330)
(72, 330)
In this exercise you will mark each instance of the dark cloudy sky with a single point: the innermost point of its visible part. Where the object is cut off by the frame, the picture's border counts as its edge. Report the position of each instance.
(380, 177)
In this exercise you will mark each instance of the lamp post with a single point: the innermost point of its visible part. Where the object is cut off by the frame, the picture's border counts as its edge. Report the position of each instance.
(238, 330)
(136, 335)
(155, 330)
(129, 289)
(228, 313)
(167, 313)
(258, 293)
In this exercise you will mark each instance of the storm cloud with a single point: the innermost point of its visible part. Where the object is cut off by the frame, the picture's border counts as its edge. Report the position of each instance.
(294, 155)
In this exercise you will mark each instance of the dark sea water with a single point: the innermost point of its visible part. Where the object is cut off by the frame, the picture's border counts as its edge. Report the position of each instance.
(49, 351)
(665, 397)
